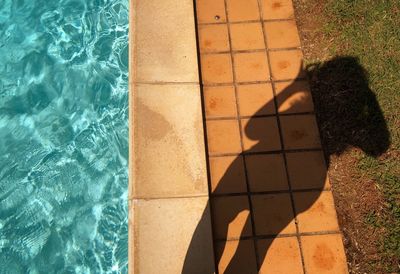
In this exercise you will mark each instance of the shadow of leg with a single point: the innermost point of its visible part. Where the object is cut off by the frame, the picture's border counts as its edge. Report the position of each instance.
(199, 257)
(236, 257)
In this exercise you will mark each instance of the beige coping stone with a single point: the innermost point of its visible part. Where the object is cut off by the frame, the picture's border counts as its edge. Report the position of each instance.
(171, 236)
(169, 152)
(169, 217)
(165, 41)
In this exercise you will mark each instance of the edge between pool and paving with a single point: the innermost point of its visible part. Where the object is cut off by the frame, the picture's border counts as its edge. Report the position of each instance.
(168, 188)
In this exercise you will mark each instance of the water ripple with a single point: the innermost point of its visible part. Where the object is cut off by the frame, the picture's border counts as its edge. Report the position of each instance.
(63, 136)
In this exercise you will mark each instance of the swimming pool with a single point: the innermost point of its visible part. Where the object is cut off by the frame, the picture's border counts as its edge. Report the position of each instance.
(63, 136)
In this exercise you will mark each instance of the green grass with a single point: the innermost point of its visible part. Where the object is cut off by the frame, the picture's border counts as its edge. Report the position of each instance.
(370, 30)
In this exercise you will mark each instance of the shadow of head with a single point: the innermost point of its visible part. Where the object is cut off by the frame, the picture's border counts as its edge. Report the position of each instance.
(346, 109)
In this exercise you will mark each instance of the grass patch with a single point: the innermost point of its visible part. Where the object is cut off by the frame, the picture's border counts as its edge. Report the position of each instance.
(368, 30)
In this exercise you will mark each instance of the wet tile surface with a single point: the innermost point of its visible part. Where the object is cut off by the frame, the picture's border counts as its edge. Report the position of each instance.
(269, 185)
(168, 186)
(181, 156)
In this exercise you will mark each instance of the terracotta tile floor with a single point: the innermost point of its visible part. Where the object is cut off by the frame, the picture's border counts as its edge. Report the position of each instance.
(272, 208)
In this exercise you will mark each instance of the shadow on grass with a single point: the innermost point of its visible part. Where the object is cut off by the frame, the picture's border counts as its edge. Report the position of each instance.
(348, 115)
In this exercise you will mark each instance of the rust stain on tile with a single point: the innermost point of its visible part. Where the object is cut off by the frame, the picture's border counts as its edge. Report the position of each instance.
(297, 134)
(276, 5)
(284, 64)
(208, 43)
(319, 207)
(323, 257)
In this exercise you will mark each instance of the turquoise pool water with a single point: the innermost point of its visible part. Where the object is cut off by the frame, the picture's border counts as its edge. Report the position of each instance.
(63, 136)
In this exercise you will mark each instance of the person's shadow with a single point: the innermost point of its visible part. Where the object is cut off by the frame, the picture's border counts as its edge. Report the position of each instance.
(348, 115)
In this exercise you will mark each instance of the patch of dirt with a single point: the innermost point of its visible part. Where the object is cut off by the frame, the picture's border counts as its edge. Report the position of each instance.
(356, 195)
(315, 45)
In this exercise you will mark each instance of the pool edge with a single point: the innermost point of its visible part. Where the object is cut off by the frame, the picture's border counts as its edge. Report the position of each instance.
(152, 206)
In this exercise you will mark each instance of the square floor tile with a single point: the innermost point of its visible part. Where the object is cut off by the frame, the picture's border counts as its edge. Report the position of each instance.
(256, 99)
(210, 11)
(307, 170)
(273, 214)
(282, 34)
(236, 257)
(227, 175)
(324, 254)
(287, 64)
(294, 97)
(223, 136)
(250, 67)
(220, 101)
(242, 10)
(266, 172)
(277, 9)
(213, 38)
(169, 55)
(315, 211)
(247, 36)
(231, 217)
(181, 225)
(300, 132)
(260, 134)
(169, 132)
(282, 256)
(216, 68)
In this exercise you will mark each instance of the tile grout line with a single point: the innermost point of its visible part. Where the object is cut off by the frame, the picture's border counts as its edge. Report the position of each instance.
(211, 84)
(250, 50)
(203, 110)
(164, 83)
(259, 116)
(266, 152)
(286, 235)
(241, 134)
(270, 192)
(247, 21)
(260, 8)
